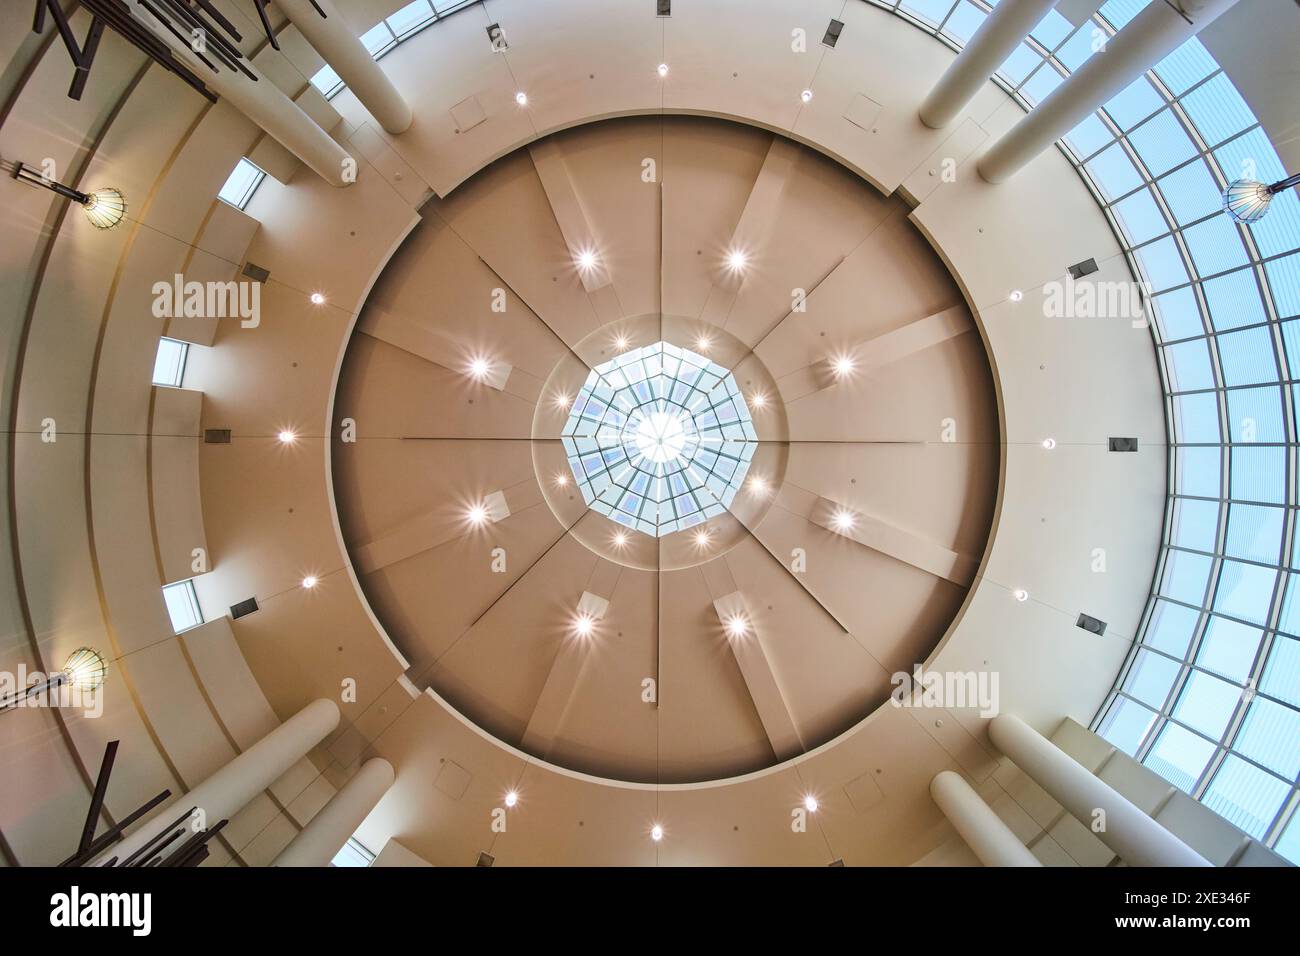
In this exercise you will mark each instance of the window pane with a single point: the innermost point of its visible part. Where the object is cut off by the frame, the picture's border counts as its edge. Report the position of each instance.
(1126, 724)
(241, 184)
(410, 18)
(1151, 678)
(169, 366)
(1270, 735)
(1246, 795)
(1206, 704)
(378, 39)
(182, 606)
(1229, 648)
(1179, 756)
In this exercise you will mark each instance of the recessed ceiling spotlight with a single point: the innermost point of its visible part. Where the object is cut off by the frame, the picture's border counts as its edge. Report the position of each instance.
(287, 437)
(317, 298)
(810, 803)
(1049, 443)
(758, 485)
(806, 96)
(309, 582)
(479, 368)
(1016, 295)
(476, 515)
(1020, 594)
(656, 833)
(562, 401)
(736, 626)
(702, 538)
(586, 260)
(663, 69)
(736, 260)
(758, 399)
(511, 798)
(704, 343)
(561, 479)
(621, 343)
(521, 98)
(843, 520)
(843, 365)
(584, 624)
(620, 539)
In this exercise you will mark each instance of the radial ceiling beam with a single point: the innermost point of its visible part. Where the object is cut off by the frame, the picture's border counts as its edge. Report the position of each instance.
(432, 346)
(436, 528)
(743, 637)
(576, 228)
(895, 542)
(568, 665)
(757, 220)
(883, 350)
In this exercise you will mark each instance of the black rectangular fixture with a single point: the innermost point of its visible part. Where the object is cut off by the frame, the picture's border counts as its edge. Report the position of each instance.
(256, 273)
(485, 859)
(1085, 268)
(497, 39)
(1091, 624)
(837, 862)
(1123, 444)
(833, 33)
(243, 608)
(216, 436)
(663, 8)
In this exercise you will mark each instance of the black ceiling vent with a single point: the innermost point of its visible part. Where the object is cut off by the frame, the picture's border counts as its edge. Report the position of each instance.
(485, 859)
(1123, 444)
(1085, 268)
(243, 608)
(497, 39)
(663, 8)
(1091, 624)
(256, 273)
(216, 436)
(833, 33)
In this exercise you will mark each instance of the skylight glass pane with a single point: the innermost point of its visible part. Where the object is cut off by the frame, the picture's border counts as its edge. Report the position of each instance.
(1218, 110)
(1076, 50)
(1191, 192)
(1042, 83)
(1127, 724)
(931, 11)
(169, 365)
(1198, 471)
(1229, 648)
(1179, 756)
(1246, 357)
(1279, 231)
(1255, 415)
(1113, 172)
(1215, 245)
(1140, 217)
(1137, 101)
(1019, 64)
(410, 18)
(241, 184)
(1119, 12)
(1206, 704)
(1284, 281)
(182, 606)
(1162, 264)
(1270, 735)
(1258, 474)
(1051, 30)
(1171, 627)
(1234, 299)
(353, 854)
(1282, 673)
(1246, 796)
(378, 39)
(1178, 316)
(1151, 678)
(965, 20)
(327, 81)
(1186, 67)
(1162, 143)
(1088, 137)
(1185, 578)
(1189, 366)
(1196, 522)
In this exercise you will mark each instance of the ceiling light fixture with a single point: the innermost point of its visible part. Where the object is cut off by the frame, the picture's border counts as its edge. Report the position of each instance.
(843, 520)
(1020, 594)
(843, 365)
(479, 368)
(663, 69)
(84, 670)
(758, 399)
(584, 624)
(1016, 295)
(737, 260)
(806, 96)
(287, 437)
(563, 401)
(309, 581)
(521, 98)
(621, 343)
(561, 479)
(1049, 443)
(104, 207)
(810, 803)
(477, 515)
(737, 626)
(703, 343)
(701, 539)
(656, 833)
(317, 298)
(586, 260)
(620, 539)
(758, 485)
(1247, 200)
(511, 798)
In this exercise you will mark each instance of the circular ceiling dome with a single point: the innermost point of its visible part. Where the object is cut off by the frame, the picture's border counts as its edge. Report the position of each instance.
(665, 480)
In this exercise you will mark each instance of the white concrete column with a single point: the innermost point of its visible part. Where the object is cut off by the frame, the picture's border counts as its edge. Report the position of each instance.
(982, 829)
(345, 53)
(266, 105)
(326, 832)
(229, 789)
(1004, 28)
(1137, 838)
(1146, 40)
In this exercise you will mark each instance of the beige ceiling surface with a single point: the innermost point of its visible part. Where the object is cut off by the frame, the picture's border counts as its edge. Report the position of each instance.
(827, 632)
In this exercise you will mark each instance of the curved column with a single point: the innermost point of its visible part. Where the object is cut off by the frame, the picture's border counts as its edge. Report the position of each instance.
(1147, 39)
(326, 832)
(999, 34)
(1137, 838)
(982, 829)
(229, 790)
(348, 57)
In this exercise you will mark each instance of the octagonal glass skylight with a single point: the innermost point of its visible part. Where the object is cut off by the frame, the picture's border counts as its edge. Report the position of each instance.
(659, 439)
